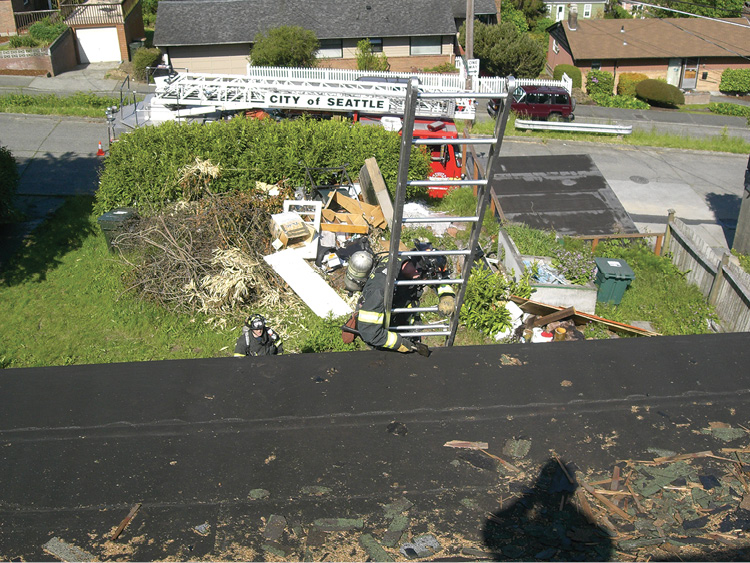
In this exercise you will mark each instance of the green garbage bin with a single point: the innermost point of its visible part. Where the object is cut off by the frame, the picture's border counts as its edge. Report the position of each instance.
(114, 222)
(613, 276)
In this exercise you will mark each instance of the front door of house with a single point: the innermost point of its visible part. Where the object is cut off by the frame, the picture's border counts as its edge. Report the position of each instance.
(690, 74)
(674, 72)
(560, 14)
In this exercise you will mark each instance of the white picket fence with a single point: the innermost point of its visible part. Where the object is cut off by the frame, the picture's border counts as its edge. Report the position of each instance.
(439, 82)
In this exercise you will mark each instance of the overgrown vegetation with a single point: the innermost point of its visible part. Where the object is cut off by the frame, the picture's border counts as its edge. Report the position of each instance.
(143, 168)
(659, 93)
(8, 183)
(84, 104)
(744, 260)
(486, 295)
(149, 8)
(41, 34)
(724, 108)
(735, 81)
(286, 45)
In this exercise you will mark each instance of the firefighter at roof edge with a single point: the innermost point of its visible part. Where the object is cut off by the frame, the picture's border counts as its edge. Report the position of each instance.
(371, 315)
(257, 339)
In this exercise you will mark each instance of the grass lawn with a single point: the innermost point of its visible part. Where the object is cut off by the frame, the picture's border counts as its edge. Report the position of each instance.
(82, 104)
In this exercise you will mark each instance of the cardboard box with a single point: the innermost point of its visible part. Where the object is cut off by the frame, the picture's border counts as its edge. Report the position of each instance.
(290, 230)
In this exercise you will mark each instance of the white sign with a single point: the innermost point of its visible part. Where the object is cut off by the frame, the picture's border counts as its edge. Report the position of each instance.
(473, 67)
(328, 102)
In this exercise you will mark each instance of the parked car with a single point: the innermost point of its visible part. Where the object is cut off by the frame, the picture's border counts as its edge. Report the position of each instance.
(539, 102)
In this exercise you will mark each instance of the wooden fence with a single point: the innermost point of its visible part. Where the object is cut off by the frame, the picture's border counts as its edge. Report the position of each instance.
(725, 285)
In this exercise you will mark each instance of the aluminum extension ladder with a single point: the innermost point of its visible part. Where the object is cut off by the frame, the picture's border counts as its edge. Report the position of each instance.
(413, 95)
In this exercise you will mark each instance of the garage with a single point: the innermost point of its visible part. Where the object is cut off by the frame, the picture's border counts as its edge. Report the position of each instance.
(98, 45)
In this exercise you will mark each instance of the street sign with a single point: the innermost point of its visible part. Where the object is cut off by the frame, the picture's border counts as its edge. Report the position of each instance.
(473, 67)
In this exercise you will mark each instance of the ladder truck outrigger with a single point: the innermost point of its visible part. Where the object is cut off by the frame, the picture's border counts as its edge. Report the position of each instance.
(366, 97)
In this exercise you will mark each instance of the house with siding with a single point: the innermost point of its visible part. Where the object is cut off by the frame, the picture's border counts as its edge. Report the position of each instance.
(559, 11)
(690, 53)
(215, 36)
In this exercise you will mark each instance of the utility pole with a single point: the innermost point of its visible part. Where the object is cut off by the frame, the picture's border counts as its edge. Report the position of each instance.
(469, 38)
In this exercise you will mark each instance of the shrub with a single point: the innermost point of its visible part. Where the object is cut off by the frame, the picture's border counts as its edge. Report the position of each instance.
(143, 167)
(599, 82)
(287, 45)
(659, 93)
(45, 32)
(724, 108)
(22, 41)
(628, 81)
(444, 68)
(367, 60)
(486, 294)
(735, 81)
(502, 50)
(142, 59)
(627, 102)
(573, 71)
(8, 183)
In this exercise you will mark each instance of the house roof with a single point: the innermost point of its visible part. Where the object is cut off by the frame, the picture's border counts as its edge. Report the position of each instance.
(481, 7)
(212, 22)
(654, 38)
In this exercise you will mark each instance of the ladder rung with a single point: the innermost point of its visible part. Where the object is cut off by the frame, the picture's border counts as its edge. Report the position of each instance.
(455, 95)
(429, 282)
(434, 253)
(428, 183)
(440, 219)
(436, 333)
(402, 328)
(415, 309)
(460, 141)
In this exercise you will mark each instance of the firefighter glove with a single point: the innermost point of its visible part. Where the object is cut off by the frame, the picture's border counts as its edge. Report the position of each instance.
(447, 304)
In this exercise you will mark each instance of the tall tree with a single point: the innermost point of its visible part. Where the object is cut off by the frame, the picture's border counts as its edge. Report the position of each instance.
(502, 50)
(708, 8)
(287, 45)
(367, 60)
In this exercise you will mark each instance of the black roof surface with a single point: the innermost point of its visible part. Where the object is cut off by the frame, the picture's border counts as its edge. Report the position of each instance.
(213, 22)
(266, 451)
(565, 193)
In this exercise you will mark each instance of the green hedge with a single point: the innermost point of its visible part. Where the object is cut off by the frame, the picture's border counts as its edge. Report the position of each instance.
(724, 108)
(143, 166)
(143, 58)
(735, 81)
(628, 82)
(600, 82)
(22, 41)
(573, 71)
(659, 93)
(628, 102)
(8, 183)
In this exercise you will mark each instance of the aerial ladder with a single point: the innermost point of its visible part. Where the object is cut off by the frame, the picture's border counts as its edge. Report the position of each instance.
(189, 95)
(413, 98)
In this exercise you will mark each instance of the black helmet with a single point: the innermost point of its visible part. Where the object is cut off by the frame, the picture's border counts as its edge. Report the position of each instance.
(256, 322)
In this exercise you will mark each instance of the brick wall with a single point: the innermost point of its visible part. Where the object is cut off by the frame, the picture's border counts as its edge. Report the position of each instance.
(398, 64)
(63, 53)
(7, 21)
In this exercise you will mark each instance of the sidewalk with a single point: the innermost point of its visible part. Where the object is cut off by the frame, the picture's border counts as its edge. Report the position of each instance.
(84, 78)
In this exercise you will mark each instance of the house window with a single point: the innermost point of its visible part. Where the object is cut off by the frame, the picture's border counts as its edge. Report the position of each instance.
(555, 46)
(560, 12)
(426, 46)
(330, 49)
(376, 45)
(587, 10)
(596, 65)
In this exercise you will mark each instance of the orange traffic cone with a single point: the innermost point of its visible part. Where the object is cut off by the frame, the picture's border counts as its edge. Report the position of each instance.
(100, 152)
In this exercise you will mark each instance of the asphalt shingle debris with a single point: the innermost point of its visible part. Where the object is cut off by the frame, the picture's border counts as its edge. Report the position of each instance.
(422, 546)
(338, 524)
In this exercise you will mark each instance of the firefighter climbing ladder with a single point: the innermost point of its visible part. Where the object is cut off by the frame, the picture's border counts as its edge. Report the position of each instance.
(413, 96)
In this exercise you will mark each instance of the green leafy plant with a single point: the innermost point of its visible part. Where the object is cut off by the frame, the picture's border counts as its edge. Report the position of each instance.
(80, 103)
(287, 45)
(659, 93)
(45, 31)
(744, 260)
(143, 167)
(144, 58)
(444, 68)
(572, 71)
(532, 242)
(486, 295)
(367, 60)
(735, 81)
(9, 178)
(23, 41)
(724, 108)
(628, 102)
(149, 8)
(599, 82)
(324, 335)
(578, 267)
(628, 81)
